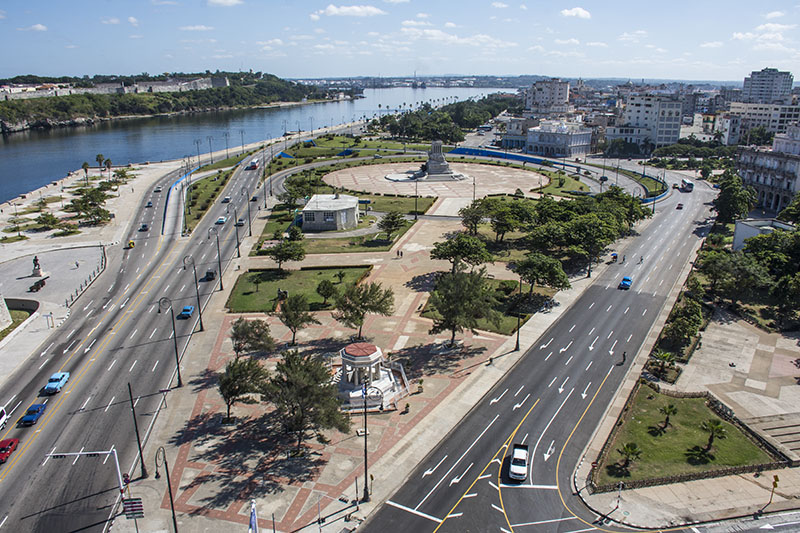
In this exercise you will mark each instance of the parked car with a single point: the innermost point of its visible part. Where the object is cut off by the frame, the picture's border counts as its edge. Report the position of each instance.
(226, 200)
(518, 467)
(626, 282)
(56, 382)
(7, 447)
(186, 312)
(144, 227)
(149, 204)
(221, 220)
(33, 414)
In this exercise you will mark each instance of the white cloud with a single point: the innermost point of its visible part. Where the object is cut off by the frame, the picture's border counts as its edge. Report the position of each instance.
(71, 46)
(774, 15)
(422, 15)
(110, 20)
(348, 11)
(224, 3)
(163, 3)
(319, 30)
(222, 56)
(415, 23)
(711, 44)
(440, 36)
(270, 43)
(632, 37)
(523, 7)
(197, 27)
(449, 24)
(499, 5)
(324, 47)
(773, 27)
(567, 41)
(133, 21)
(598, 44)
(397, 1)
(35, 27)
(313, 16)
(746, 36)
(576, 12)
(136, 36)
(2, 14)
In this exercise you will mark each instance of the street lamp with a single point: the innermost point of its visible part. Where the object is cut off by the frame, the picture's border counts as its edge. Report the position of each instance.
(365, 392)
(197, 143)
(236, 228)
(213, 231)
(163, 304)
(189, 260)
(416, 196)
(162, 453)
(249, 217)
(210, 151)
(226, 135)
(241, 132)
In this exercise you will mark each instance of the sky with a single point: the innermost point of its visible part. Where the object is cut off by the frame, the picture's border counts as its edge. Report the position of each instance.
(690, 40)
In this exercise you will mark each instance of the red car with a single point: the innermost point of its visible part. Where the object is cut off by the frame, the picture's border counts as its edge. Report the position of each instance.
(7, 447)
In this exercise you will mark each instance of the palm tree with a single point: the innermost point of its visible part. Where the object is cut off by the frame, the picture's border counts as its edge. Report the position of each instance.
(630, 452)
(716, 430)
(85, 167)
(668, 411)
(108, 167)
(663, 359)
(99, 158)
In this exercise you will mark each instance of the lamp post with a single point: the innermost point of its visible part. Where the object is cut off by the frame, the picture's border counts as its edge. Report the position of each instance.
(210, 151)
(226, 135)
(189, 260)
(213, 231)
(365, 392)
(163, 304)
(311, 119)
(162, 453)
(519, 316)
(236, 228)
(197, 143)
(416, 196)
(241, 133)
(249, 218)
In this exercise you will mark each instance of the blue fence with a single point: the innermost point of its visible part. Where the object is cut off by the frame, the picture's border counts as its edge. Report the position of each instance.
(481, 152)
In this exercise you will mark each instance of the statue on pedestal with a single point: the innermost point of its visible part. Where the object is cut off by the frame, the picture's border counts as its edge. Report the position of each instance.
(37, 268)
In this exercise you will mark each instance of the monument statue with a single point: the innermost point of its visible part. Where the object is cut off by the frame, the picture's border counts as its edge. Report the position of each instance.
(37, 268)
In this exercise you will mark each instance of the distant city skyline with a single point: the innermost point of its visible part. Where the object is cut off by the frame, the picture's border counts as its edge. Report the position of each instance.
(714, 40)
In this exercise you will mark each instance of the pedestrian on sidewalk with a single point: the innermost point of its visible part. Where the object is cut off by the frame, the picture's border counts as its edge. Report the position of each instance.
(77, 265)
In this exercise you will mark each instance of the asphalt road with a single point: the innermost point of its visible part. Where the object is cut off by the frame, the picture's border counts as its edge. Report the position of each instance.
(552, 400)
(114, 336)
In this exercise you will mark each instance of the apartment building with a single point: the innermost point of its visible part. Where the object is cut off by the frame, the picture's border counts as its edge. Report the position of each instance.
(651, 121)
(768, 86)
(548, 96)
(773, 117)
(774, 172)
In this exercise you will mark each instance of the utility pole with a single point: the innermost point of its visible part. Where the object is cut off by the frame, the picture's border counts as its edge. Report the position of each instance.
(210, 151)
(136, 429)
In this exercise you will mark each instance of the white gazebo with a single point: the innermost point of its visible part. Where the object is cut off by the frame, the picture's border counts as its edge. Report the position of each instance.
(363, 365)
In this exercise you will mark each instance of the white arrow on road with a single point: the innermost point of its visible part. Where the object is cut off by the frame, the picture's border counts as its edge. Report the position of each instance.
(458, 478)
(611, 351)
(430, 471)
(68, 347)
(583, 394)
(90, 346)
(565, 348)
(561, 388)
(591, 346)
(543, 346)
(550, 451)
(770, 526)
(495, 400)
(520, 404)
(126, 301)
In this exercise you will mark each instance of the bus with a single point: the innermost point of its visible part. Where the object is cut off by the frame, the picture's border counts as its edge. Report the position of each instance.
(253, 164)
(686, 185)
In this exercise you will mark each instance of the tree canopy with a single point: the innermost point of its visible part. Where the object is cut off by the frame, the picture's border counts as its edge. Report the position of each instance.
(356, 301)
(460, 300)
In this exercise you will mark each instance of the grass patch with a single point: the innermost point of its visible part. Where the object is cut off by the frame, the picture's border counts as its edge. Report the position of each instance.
(203, 194)
(505, 291)
(6, 239)
(224, 163)
(17, 318)
(363, 243)
(257, 291)
(653, 186)
(674, 451)
(561, 184)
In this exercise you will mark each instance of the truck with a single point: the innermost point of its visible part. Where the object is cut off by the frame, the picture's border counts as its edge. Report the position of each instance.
(518, 467)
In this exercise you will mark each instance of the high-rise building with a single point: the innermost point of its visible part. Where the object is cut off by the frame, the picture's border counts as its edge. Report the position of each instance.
(773, 117)
(548, 96)
(774, 172)
(651, 121)
(768, 86)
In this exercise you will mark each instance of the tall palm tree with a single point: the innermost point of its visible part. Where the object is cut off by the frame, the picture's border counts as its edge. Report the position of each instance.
(630, 452)
(85, 167)
(108, 167)
(663, 359)
(99, 158)
(716, 430)
(668, 411)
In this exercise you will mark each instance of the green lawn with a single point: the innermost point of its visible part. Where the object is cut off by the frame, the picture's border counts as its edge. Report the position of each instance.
(561, 184)
(365, 243)
(248, 296)
(203, 194)
(224, 163)
(17, 318)
(654, 187)
(666, 454)
(508, 321)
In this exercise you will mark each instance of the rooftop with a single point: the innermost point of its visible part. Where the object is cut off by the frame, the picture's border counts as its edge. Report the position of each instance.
(330, 202)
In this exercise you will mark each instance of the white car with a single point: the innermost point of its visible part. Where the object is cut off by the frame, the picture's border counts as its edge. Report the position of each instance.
(221, 220)
(518, 467)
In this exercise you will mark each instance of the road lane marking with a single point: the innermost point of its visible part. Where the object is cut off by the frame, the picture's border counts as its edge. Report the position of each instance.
(495, 400)
(414, 511)
(78, 456)
(154, 332)
(474, 442)
(84, 404)
(626, 310)
(108, 455)
(132, 334)
(43, 363)
(520, 404)
(573, 327)
(609, 308)
(114, 362)
(543, 522)
(137, 401)
(643, 312)
(591, 305)
(133, 365)
(551, 383)
(568, 360)
(154, 367)
(471, 495)
(520, 390)
(109, 403)
(590, 364)
(432, 470)
(629, 337)
(182, 288)
(87, 305)
(496, 508)
(609, 335)
(47, 458)
(590, 333)
(548, 356)
(582, 530)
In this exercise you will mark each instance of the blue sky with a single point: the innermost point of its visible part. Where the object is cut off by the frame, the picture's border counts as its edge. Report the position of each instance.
(702, 39)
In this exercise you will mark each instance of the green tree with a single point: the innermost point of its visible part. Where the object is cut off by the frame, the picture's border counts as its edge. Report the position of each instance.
(747, 275)
(663, 358)
(472, 216)
(85, 167)
(462, 248)
(716, 430)
(242, 377)
(791, 213)
(251, 336)
(326, 289)
(286, 251)
(538, 269)
(668, 411)
(295, 234)
(630, 452)
(340, 275)
(391, 223)
(99, 158)
(717, 266)
(294, 314)
(734, 200)
(48, 220)
(460, 300)
(787, 292)
(107, 163)
(353, 304)
(304, 397)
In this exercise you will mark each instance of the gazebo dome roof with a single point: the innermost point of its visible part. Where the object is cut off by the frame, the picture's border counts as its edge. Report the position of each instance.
(361, 354)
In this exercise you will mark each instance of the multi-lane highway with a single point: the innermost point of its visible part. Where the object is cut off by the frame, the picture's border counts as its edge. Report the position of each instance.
(552, 399)
(114, 336)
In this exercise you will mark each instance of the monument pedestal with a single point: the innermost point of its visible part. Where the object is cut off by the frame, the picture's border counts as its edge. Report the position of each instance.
(37, 272)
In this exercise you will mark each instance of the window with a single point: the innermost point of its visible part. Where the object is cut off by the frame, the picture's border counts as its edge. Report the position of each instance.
(328, 216)
(309, 217)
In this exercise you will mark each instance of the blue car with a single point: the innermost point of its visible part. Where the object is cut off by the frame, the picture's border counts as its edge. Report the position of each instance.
(186, 312)
(625, 283)
(56, 382)
(33, 414)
